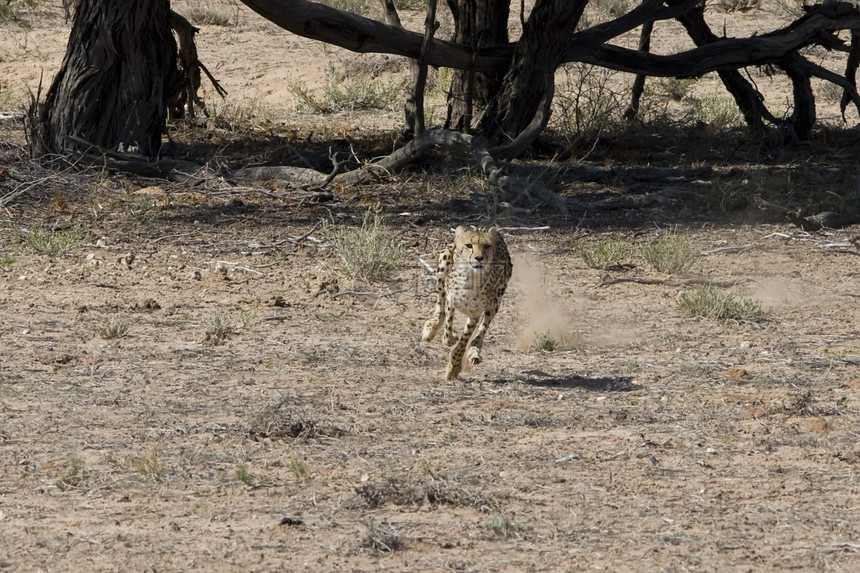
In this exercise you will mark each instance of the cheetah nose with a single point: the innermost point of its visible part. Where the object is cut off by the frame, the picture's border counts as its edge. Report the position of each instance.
(479, 258)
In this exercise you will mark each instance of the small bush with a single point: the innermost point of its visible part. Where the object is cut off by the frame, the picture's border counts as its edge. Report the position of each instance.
(55, 242)
(240, 114)
(503, 526)
(671, 254)
(381, 537)
(587, 102)
(345, 91)
(738, 5)
(113, 328)
(218, 328)
(243, 474)
(206, 14)
(709, 302)
(299, 468)
(75, 477)
(369, 253)
(604, 254)
(717, 112)
(545, 342)
(674, 88)
(366, 8)
(10, 10)
(150, 466)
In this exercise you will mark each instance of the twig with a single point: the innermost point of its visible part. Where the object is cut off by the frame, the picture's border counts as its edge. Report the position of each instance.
(427, 266)
(236, 267)
(671, 282)
(298, 240)
(842, 544)
(176, 236)
(544, 228)
(358, 293)
(737, 249)
(843, 252)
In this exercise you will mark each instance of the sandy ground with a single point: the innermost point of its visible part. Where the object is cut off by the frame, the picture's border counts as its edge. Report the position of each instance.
(251, 420)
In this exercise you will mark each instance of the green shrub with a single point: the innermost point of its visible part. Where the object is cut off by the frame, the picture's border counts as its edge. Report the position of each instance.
(671, 253)
(709, 302)
(604, 254)
(55, 242)
(369, 253)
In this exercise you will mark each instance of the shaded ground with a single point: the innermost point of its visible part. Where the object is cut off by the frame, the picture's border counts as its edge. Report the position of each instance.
(249, 420)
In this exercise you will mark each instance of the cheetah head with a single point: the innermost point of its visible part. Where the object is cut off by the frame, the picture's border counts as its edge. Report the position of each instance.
(477, 248)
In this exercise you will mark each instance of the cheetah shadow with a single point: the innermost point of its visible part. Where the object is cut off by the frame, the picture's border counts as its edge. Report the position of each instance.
(539, 378)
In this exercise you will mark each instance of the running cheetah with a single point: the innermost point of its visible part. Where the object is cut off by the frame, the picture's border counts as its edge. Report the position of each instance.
(472, 276)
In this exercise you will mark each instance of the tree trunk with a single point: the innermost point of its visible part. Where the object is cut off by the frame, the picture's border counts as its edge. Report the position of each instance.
(477, 24)
(803, 115)
(115, 81)
(748, 99)
(522, 109)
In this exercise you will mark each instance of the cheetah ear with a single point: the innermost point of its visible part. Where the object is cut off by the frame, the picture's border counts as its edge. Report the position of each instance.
(458, 232)
(493, 231)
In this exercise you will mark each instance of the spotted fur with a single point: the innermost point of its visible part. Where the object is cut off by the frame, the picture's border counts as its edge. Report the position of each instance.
(472, 276)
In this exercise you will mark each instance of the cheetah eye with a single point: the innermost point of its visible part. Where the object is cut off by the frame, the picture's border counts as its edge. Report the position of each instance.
(468, 245)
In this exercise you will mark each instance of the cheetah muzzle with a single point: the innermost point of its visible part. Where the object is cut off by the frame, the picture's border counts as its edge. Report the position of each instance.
(472, 276)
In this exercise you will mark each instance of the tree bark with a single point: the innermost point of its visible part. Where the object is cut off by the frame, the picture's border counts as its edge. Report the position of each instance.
(478, 24)
(528, 85)
(113, 86)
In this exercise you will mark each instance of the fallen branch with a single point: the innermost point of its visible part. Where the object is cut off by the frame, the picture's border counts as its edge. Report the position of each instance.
(399, 158)
(671, 282)
(825, 219)
(668, 196)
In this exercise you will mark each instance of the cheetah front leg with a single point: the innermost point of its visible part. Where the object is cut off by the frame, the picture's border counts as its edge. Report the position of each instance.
(431, 327)
(448, 335)
(455, 360)
(474, 353)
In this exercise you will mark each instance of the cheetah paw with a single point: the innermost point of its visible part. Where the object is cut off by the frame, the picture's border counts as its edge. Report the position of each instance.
(453, 371)
(473, 356)
(449, 339)
(430, 329)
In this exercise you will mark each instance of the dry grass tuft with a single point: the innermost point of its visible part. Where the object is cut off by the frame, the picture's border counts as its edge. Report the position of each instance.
(289, 418)
(381, 537)
(438, 491)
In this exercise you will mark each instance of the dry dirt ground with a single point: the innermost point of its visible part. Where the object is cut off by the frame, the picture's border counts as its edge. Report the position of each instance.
(264, 412)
